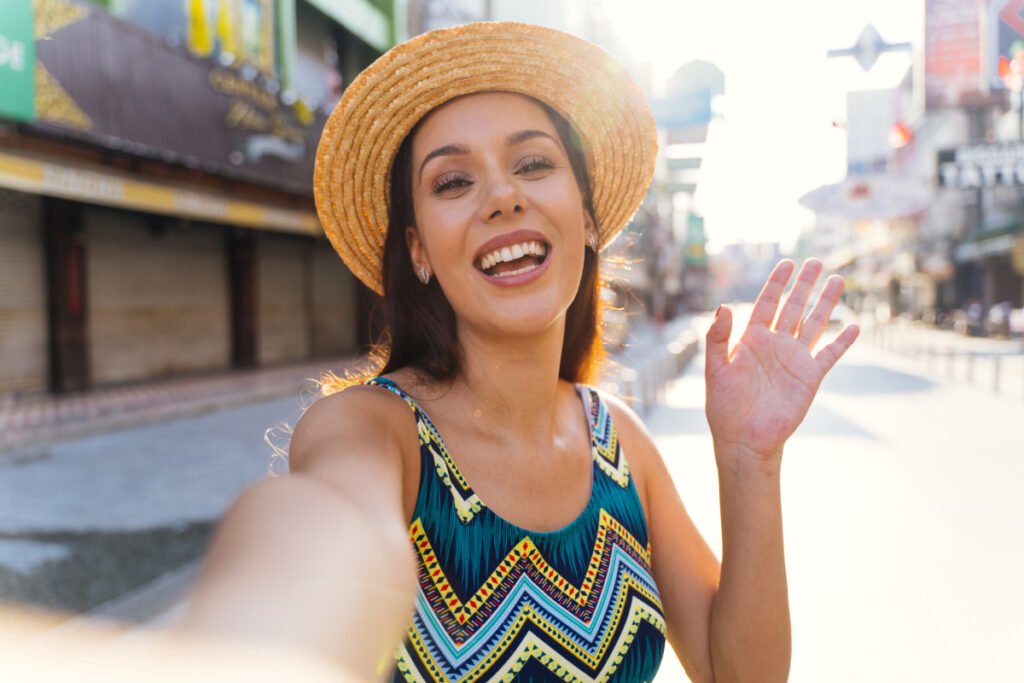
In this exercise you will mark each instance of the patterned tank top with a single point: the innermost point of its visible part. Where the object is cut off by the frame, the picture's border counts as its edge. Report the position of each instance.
(497, 602)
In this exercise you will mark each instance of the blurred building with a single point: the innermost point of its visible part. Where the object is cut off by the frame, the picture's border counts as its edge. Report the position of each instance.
(156, 212)
(669, 233)
(739, 271)
(953, 125)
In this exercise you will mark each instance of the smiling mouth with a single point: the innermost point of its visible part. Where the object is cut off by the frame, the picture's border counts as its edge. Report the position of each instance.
(514, 259)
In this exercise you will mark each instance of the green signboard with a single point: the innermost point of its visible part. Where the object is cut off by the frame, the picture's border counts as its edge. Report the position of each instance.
(695, 240)
(17, 61)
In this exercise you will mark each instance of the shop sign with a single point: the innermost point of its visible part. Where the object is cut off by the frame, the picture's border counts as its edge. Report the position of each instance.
(1005, 28)
(978, 166)
(171, 106)
(952, 50)
(973, 251)
(54, 178)
(17, 60)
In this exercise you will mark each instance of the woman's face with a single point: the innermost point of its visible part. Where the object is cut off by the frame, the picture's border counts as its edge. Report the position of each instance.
(500, 220)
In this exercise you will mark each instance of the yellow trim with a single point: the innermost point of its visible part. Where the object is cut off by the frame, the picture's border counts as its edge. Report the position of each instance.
(53, 178)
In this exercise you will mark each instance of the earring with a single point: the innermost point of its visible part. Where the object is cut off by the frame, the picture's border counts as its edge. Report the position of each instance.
(424, 275)
(592, 241)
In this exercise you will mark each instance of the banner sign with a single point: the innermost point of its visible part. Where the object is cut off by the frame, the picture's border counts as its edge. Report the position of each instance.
(108, 83)
(978, 166)
(1005, 33)
(17, 60)
(952, 51)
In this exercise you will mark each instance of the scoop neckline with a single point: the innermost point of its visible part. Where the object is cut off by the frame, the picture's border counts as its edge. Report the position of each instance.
(586, 397)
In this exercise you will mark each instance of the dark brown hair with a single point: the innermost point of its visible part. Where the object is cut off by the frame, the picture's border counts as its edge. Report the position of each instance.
(418, 329)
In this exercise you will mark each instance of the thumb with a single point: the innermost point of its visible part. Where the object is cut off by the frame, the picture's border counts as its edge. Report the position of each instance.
(717, 342)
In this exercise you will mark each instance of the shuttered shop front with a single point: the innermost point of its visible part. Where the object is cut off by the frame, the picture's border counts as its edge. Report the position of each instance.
(23, 327)
(158, 296)
(283, 317)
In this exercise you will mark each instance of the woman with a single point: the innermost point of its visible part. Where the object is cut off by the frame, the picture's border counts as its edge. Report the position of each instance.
(471, 176)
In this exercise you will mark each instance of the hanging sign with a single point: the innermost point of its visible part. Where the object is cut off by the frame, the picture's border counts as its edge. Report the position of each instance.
(17, 61)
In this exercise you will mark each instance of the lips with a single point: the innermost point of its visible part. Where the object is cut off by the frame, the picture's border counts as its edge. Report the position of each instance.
(512, 254)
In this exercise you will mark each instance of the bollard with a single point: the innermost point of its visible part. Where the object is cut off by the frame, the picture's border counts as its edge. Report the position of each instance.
(970, 367)
(949, 362)
(995, 373)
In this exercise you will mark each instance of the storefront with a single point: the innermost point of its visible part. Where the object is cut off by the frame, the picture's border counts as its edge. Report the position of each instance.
(151, 231)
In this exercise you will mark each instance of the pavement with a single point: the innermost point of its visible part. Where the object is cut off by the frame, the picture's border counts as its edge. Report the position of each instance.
(991, 365)
(38, 420)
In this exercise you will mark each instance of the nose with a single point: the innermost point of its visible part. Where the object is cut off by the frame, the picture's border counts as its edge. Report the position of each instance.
(503, 199)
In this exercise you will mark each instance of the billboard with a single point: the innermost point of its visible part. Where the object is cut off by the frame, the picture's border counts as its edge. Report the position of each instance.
(952, 50)
(17, 60)
(1004, 28)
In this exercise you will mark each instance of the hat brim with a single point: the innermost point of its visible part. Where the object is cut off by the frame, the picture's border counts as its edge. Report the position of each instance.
(351, 179)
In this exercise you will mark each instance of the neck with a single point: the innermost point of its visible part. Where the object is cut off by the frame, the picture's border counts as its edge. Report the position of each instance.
(512, 382)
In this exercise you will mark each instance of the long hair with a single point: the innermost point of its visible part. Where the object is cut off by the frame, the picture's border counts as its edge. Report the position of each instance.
(418, 329)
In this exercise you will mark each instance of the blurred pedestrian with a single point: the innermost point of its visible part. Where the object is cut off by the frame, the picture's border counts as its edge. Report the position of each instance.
(471, 176)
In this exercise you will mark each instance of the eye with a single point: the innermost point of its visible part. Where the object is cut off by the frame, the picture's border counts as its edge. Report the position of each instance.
(450, 182)
(534, 164)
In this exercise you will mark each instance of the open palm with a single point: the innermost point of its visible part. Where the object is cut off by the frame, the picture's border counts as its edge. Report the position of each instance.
(759, 391)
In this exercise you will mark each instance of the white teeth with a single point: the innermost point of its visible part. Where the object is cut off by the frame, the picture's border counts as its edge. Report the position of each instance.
(517, 271)
(516, 251)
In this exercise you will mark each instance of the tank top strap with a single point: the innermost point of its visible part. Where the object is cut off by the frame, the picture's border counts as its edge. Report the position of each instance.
(606, 449)
(435, 458)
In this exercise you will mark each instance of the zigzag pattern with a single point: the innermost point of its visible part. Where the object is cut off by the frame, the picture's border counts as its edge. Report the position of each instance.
(458, 639)
(497, 602)
(607, 453)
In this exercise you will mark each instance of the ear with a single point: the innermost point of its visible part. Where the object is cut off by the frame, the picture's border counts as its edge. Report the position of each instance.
(417, 252)
(589, 227)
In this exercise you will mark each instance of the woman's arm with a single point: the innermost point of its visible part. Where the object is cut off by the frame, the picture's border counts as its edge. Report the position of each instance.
(758, 393)
(320, 559)
(731, 622)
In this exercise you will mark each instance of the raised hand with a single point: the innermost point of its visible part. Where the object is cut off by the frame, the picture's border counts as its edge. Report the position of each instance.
(759, 392)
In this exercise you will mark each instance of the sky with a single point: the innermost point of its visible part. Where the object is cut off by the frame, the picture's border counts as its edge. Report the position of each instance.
(776, 140)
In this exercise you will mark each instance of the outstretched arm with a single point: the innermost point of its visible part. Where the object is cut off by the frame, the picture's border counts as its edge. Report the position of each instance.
(320, 559)
(758, 393)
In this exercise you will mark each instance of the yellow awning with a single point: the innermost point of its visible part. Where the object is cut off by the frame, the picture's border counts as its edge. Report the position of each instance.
(36, 174)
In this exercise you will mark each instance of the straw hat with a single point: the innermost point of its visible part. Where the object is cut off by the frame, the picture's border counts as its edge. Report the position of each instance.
(576, 78)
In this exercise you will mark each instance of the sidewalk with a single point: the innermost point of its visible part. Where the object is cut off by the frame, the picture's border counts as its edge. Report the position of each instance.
(994, 366)
(40, 420)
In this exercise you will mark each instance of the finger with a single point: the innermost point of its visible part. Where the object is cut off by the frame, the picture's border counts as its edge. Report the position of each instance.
(717, 342)
(814, 325)
(831, 354)
(768, 300)
(793, 310)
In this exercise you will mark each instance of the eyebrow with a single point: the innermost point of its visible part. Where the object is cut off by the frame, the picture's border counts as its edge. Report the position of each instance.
(516, 138)
(447, 150)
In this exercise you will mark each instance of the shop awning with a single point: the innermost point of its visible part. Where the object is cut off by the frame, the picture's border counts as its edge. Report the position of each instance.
(97, 185)
(361, 18)
(984, 246)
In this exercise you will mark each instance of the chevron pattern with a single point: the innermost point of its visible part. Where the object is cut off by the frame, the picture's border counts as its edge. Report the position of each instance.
(527, 609)
(499, 603)
(607, 453)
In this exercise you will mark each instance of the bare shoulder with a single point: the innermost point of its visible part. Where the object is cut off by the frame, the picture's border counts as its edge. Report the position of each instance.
(361, 428)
